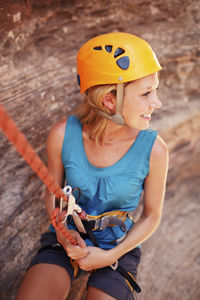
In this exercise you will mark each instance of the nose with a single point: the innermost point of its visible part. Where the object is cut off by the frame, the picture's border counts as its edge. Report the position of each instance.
(156, 103)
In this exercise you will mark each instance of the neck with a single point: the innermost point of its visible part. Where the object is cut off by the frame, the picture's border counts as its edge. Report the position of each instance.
(115, 133)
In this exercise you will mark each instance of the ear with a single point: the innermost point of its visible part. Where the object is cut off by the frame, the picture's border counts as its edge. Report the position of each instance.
(109, 102)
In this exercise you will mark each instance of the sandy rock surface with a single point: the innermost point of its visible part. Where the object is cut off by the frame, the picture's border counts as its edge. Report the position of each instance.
(38, 45)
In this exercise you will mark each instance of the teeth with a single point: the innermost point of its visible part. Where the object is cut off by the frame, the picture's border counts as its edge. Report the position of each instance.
(146, 116)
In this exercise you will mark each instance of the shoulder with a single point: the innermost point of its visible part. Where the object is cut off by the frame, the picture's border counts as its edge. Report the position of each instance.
(160, 153)
(160, 146)
(58, 130)
(56, 136)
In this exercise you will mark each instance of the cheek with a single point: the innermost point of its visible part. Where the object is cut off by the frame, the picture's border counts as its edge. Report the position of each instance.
(133, 108)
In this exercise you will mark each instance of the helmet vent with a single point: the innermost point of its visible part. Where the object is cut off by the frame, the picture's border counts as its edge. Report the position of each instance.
(123, 62)
(97, 48)
(108, 48)
(78, 79)
(118, 52)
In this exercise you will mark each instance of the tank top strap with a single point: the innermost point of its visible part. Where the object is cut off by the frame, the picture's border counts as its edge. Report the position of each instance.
(72, 138)
(146, 142)
(143, 149)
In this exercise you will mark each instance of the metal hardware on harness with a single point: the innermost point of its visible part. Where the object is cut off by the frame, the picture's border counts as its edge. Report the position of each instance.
(105, 221)
(101, 223)
(73, 209)
(67, 190)
(115, 265)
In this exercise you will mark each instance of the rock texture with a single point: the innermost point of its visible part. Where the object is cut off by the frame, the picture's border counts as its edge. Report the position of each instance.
(38, 45)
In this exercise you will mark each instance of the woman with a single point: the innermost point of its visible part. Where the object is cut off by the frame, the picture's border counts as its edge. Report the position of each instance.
(109, 152)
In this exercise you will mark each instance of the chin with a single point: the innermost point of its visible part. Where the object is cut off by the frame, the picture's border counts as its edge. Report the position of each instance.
(143, 127)
(138, 125)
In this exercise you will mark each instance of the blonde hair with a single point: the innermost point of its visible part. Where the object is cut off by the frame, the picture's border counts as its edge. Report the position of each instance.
(88, 111)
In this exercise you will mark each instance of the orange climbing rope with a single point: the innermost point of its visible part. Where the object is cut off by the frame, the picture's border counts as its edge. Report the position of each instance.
(18, 139)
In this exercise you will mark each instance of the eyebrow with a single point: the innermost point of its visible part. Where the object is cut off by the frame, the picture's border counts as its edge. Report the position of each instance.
(148, 88)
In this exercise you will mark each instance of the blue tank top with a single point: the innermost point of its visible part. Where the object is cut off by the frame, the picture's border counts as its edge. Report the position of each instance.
(117, 187)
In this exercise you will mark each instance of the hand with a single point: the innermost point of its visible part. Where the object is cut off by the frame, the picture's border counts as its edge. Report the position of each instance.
(73, 251)
(95, 259)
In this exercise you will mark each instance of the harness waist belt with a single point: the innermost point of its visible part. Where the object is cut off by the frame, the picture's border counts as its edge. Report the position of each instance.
(103, 222)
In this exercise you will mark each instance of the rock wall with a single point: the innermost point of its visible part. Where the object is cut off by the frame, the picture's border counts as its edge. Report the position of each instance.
(38, 45)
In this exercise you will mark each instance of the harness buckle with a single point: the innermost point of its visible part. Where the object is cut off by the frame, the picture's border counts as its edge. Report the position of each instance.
(102, 223)
(115, 265)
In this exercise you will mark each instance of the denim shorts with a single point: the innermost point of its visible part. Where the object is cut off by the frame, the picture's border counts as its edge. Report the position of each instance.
(106, 279)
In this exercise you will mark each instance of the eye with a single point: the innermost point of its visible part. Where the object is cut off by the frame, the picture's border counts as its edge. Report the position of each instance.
(146, 94)
(149, 92)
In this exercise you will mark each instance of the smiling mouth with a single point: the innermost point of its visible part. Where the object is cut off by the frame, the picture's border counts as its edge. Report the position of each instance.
(146, 116)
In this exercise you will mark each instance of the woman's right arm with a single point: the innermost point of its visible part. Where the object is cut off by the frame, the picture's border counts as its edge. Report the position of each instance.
(55, 166)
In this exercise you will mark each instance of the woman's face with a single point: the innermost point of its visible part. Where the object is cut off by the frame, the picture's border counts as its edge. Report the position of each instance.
(140, 101)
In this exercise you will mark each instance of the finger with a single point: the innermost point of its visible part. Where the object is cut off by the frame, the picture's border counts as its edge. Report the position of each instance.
(61, 239)
(81, 242)
(75, 252)
(82, 266)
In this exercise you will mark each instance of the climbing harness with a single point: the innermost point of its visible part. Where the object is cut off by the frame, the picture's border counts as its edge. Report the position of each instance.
(100, 222)
(85, 224)
(115, 58)
(129, 277)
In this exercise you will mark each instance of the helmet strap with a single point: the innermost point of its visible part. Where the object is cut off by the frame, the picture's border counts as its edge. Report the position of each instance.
(117, 117)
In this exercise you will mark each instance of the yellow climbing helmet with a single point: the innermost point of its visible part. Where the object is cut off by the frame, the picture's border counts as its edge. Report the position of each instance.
(116, 57)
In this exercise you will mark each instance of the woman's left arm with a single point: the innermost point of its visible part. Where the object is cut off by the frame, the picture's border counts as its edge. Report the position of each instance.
(154, 192)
